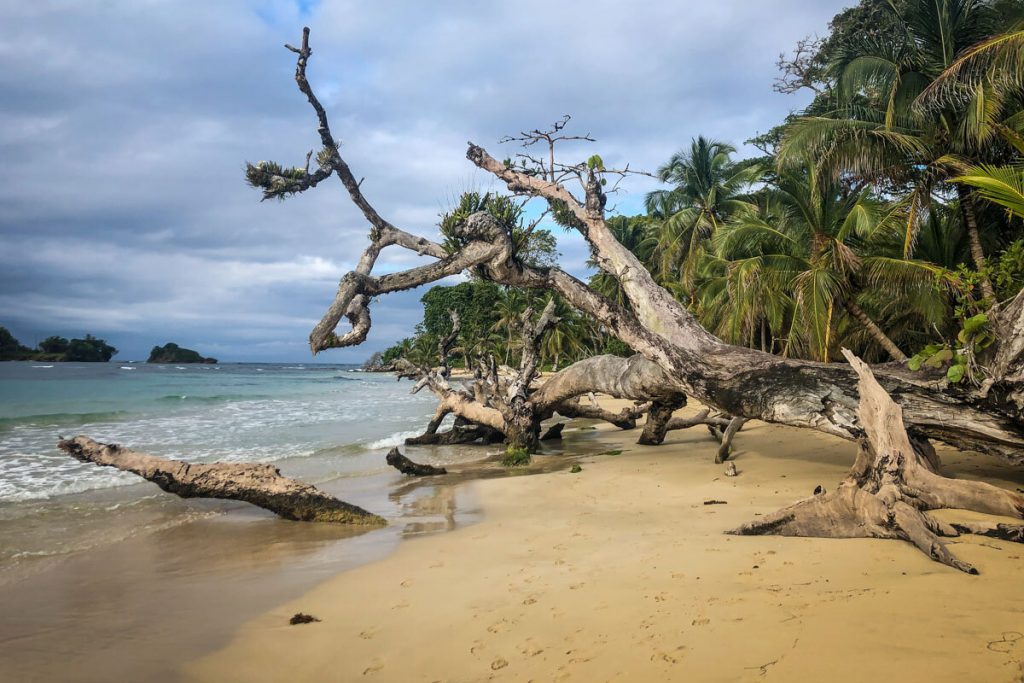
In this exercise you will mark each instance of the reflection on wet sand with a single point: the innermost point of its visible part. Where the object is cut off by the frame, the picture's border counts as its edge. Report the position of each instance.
(135, 609)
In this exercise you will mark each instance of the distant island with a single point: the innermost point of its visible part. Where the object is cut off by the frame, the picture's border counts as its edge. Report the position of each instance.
(57, 349)
(172, 353)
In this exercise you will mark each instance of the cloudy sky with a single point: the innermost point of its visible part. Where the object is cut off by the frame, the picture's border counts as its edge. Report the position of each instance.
(124, 125)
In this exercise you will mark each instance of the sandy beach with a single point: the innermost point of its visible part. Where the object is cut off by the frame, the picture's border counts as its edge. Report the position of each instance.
(621, 573)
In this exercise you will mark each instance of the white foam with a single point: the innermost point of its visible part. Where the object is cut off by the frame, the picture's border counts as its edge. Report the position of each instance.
(127, 367)
(42, 366)
(396, 439)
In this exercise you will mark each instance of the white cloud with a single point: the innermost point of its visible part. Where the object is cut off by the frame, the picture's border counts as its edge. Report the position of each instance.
(128, 123)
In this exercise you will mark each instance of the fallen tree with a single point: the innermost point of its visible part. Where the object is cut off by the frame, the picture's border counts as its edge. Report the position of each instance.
(259, 484)
(681, 357)
(890, 484)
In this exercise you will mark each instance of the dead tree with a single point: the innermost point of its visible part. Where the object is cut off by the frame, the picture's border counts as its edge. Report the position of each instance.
(259, 484)
(890, 488)
(679, 356)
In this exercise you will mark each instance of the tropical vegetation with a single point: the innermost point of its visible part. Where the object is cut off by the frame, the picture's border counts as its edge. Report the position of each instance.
(884, 217)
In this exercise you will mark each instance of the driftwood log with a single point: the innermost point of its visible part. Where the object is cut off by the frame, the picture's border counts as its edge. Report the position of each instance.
(259, 484)
(413, 469)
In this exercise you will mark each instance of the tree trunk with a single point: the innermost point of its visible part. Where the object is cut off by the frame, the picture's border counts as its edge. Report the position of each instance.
(890, 488)
(261, 485)
(966, 198)
(658, 418)
(875, 331)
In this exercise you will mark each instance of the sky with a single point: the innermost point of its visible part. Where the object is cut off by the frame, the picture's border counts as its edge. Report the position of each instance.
(125, 125)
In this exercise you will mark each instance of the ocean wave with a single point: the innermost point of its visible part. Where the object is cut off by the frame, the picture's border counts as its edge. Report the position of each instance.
(396, 439)
(216, 398)
(58, 419)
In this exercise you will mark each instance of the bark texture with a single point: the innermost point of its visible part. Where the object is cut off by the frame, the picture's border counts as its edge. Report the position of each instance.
(890, 488)
(261, 485)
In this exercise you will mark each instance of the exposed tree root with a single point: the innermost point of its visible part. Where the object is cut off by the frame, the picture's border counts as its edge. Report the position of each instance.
(890, 488)
(261, 485)
(725, 449)
(413, 469)
(658, 418)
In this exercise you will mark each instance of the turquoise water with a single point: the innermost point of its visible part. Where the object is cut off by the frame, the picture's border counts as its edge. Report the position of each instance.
(200, 413)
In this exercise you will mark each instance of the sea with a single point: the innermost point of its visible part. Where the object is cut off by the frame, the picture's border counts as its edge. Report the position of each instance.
(317, 422)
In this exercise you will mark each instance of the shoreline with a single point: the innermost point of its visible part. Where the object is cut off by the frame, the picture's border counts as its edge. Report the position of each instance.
(134, 608)
(621, 572)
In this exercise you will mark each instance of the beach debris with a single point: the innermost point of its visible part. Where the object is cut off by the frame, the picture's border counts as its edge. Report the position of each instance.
(413, 469)
(614, 451)
(716, 502)
(256, 483)
(300, 618)
(819, 489)
(576, 469)
(730, 470)
(553, 432)
(890, 489)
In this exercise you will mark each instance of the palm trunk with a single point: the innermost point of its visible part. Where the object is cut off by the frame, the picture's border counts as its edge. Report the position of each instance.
(974, 238)
(875, 331)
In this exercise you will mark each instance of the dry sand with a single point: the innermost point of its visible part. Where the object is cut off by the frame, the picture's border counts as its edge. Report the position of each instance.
(620, 572)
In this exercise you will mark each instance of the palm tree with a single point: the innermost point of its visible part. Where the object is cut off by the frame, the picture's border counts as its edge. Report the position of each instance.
(510, 307)
(1003, 185)
(708, 187)
(806, 252)
(879, 130)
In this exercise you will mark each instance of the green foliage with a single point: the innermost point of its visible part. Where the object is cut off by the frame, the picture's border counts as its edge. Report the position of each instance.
(89, 350)
(57, 349)
(612, 452)
(11, 348)
(576, 469)
(270, 176)
(1008, 275)
(516, 457)
(534, 247)
(54, 345)
(960, 358)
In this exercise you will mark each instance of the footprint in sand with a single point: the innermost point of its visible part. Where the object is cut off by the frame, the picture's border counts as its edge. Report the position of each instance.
(664, 657)
(703, 621)
(529, 601)
(372, 669)
(498, 663)
(1006, 643)
(367, 634)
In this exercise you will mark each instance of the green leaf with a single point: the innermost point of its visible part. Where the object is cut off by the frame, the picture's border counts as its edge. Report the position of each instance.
(956, 372)
(975, 323)
(940, 358)
(915, 362)
(595, 162)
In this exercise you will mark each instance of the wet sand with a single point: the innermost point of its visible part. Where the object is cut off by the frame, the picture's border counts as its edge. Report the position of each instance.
(620, 572)
(177, 578)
